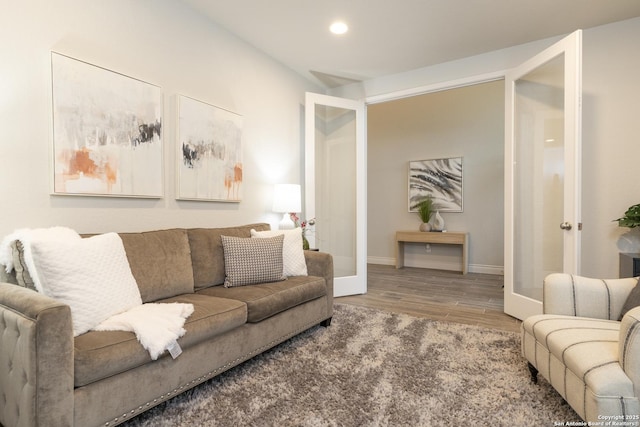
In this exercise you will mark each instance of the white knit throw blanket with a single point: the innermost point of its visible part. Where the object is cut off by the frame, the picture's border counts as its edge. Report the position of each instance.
(156, 326)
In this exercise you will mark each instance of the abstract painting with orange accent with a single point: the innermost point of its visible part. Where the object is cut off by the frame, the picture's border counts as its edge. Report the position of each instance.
(209, 152)
(107, 132)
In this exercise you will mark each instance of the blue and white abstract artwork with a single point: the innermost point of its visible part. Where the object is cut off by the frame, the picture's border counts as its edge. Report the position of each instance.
(439, 178)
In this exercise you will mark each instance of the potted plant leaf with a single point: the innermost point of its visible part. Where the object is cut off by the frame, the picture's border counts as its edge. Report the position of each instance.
(631, 218)
(425, 210)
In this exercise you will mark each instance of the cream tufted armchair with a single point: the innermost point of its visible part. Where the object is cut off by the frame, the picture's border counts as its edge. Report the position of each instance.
(586, 350)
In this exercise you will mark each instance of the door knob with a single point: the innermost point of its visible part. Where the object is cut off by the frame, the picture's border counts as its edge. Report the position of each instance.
(565, 226)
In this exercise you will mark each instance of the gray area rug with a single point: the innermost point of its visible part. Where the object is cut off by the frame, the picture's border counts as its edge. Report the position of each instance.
(374, 368)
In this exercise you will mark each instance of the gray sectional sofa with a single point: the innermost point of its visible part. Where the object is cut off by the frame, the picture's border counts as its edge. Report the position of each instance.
(50, 378)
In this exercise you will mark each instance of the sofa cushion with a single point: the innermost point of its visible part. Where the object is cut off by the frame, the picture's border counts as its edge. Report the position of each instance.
(207, 257)
(251, 261)
(101, 354)
(160, 262)
(268, 299)
(292, 253)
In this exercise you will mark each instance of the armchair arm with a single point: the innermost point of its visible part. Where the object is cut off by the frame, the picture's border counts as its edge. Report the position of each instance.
(36, 359)
(573, 295)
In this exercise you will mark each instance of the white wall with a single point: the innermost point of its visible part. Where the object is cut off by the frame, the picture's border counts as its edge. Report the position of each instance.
(611, 128)
(164, 43)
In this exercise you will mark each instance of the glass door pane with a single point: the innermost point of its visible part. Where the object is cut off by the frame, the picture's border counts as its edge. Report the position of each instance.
(542, 173)
(336, 186)
(539, 176)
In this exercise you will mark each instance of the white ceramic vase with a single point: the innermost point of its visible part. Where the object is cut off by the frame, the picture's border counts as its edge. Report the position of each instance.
(438, 222)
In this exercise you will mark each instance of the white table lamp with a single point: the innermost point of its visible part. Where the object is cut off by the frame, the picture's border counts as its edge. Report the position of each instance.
(287, 199)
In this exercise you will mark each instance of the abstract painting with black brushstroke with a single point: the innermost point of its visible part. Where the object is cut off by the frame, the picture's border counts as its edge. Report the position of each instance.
(209, 152)
(107, 132)
(439, 178)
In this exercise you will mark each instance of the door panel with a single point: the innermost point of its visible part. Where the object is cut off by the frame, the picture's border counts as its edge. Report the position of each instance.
(542, 167)
(335, 186)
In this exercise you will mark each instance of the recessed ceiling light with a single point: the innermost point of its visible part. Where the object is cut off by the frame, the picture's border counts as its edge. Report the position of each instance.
(339, 27)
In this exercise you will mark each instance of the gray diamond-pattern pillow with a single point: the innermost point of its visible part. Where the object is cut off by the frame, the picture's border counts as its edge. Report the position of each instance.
(250, 261)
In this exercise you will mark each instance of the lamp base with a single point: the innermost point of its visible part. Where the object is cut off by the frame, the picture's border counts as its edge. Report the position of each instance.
(286, 223)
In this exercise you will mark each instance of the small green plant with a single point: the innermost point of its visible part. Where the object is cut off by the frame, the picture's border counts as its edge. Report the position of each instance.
(631, 218)
(425, 209)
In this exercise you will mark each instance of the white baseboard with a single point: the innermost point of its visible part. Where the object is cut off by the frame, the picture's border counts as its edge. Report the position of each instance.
(381, 260)
(496, 270)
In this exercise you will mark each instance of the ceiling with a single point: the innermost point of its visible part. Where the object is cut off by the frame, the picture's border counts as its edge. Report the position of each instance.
(388, 37)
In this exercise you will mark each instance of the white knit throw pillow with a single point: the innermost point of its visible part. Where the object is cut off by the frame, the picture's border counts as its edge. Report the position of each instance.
(292, 252)
(90, 275)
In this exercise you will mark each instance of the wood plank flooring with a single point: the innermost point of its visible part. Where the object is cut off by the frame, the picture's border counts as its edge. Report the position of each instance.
(474, 298)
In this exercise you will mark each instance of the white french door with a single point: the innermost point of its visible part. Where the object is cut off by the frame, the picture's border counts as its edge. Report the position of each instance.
(542, 173)
(335, 186)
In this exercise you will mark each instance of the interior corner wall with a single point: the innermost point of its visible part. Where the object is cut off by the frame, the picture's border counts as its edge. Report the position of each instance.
(466, 122)
(610, 129)
(163, 42)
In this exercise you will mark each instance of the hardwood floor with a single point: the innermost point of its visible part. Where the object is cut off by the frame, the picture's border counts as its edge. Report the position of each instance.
(474, 298)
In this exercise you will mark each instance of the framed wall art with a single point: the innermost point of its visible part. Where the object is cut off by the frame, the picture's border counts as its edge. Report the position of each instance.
(107, 132)
(439, 178)
(209, 152)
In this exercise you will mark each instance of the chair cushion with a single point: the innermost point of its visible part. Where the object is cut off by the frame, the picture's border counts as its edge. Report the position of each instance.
(102, 354)
(160, 261)
(587, 347)
(207, 257)
(268, 299)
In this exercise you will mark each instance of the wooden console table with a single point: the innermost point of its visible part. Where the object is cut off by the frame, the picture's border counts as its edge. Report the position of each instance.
(445, 238)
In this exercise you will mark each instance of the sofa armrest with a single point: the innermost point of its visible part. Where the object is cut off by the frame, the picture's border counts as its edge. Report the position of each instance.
(320, 264)
(572, 295)
(36, 359)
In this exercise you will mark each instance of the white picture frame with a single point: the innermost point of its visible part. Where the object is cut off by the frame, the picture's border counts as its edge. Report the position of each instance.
(107, 132)
(209, 152)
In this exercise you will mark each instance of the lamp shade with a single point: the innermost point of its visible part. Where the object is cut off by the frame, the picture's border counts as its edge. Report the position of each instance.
(287, 198)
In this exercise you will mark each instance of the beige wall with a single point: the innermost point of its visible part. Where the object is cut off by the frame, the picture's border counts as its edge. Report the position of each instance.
(611, 144)
(164, 43)
(466, 122)
(610, 131)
